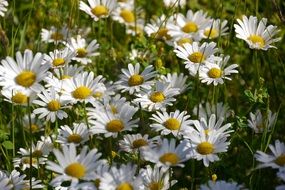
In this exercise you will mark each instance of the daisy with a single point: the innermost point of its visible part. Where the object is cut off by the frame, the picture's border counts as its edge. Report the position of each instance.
(98, 9)
(136, 29)
(259, 123)
(20, 96)
(83, 50)
(276, 159)
(17, 180)
(59, 58)
(73, 167)
(36, 124)
(168, 154)
(218, 185)
(189, 26)
(125, 14)
(113, 103)
(5, 183)
(78, 134)
(3, 7)
(133, 81)
(174, 3)
(215, 29)
(194, 55)
(55, 35)
(122, 178)
(156, 178)
(181, 40)
(23, 162)
(256, 35)
(25, 73)
(82, 87)
(176, 81)
(220, 110)
(174, 122)
(215, 72)
(157, 98)
(110, 124)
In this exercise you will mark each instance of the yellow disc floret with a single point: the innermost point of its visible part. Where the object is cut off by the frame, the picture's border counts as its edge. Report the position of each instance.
(81, 52)
(280, 160)
(115, 125)
(196, 57)
(53, 105)
(211, 33)
(19, 98)
(190, 27)
(157, 97)
(182, 41)
(135, 80)
(215, 73)
(100, 10)
(74, 138)
(256, 39)
(127, 15)
(172, 124)
(139, 143)
(76, 170)
(26, 78)
(56, 36)
(169, 157)
(81, 92)
(125, 186)
(205, 148)
(58, 62)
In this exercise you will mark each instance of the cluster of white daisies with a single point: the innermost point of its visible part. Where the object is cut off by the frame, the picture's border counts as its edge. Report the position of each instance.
(56, 87)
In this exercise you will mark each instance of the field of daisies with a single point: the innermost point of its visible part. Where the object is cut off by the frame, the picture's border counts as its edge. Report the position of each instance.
(142, 95)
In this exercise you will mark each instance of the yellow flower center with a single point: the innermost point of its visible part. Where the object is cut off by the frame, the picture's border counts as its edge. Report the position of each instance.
(115, 125)
(206, 131)
(190, 27)
(157, 97)
(81, 92)
(125, 186)
(135, 80)
(76, 170)
(74, 138)
(211, 33)
(170, 157)
(26, 78)
(163, 33)
(155, 186)
(19, 98)
(100, 10)
(58, 62)
(113, 109)
(139, 143)
(81, 52)
(65, 77)
(196, 57)
(53, 105)
(35, 128)
(26, 160)
(214, 177)
(182, 41)
(215, 73)
(172, 124)
(127, 15)
(98, 95)
(205, 148)
(280, 160)
(256, 39)
(56, 36)
(37, 153)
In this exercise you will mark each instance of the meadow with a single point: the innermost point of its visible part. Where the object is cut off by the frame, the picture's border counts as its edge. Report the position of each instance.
(142, 95)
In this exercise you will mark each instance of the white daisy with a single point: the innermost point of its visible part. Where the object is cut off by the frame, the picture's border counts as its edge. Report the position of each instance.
(194, 55)
(276, 159)
(55, 35)
(36, 124)
(157, 98)
(3, 7)
(83, 50)
(181, 40)
(5, 183)
(23, 162)
(156, 178)
(215, 72)
(59, 58)
(219, 185)
(259, 123)
(256, 35)
(174, 3)
(215, 29)
(220, 110)
(168, 154)
(17, 180)
(113, 103)
(73, 167)
(19, 96)
(176, 81)
(98, 9)
(122, 178)
(125, 14)
(109, 123)
(82, 87)
(26, 72)
(133, 81)
(78, 135)
(174, 122)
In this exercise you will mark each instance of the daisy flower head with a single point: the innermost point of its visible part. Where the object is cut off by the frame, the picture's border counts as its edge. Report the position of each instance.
(72, 167)
(195, 55)
(156, 178)
(25, 73)
(109, 123)
(98, 9)
(84, 51)
(59, 58)
(55, 35)
(218, 185)
(168, 154)
(260, 123)
(82, 87)
(181, 40)
(173, 122)
(3, 7)
(276, 159)
(132, 80)
(205, 111)
(36, 124)
(176, 81)
(125, 14)
(136, 29)
(215, 72)
(20, 96)
(189, 26)
(256, 34)
(157, 98)
(5, 182)
(215, 29)
(174, 3)
(79, 134)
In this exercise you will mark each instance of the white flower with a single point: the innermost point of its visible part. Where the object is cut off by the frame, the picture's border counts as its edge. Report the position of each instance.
(176, 81)
(276, 159)
(259, 123)
(5, 183)
(36, 124)
(3, 7)
(125, 14)
(215, 29)
(133, 81)
(219, 185)
(98, 9)
(256, 35)
(55, 35)
(174, 3)
(220, 110)
(59, 58)
(18, 96)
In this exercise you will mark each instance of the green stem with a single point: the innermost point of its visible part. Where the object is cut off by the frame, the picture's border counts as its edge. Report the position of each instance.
(31, 142)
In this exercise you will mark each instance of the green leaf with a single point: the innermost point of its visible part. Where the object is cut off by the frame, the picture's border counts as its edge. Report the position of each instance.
(8, 144)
